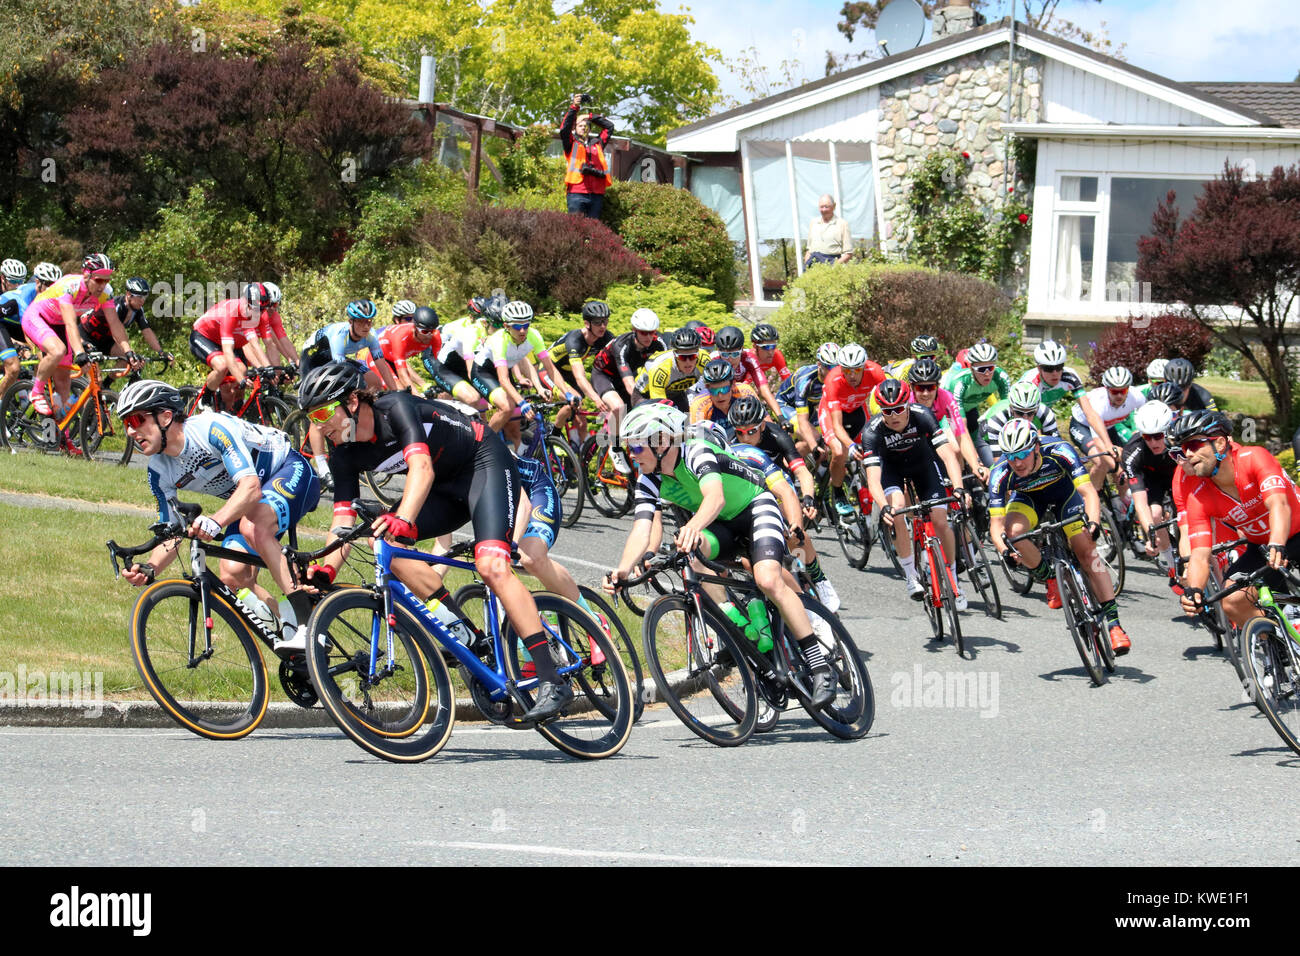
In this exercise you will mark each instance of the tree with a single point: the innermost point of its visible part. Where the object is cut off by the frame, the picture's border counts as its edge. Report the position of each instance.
(1235, 265)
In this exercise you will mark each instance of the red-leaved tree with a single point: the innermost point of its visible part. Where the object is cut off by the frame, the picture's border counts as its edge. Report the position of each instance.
(1234, 264)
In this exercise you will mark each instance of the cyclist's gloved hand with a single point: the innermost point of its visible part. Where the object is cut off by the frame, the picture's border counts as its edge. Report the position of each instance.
(321, 575)
(81, 358)
(1094, 529)
(397, 528)
(205, 527)
(1011, 558)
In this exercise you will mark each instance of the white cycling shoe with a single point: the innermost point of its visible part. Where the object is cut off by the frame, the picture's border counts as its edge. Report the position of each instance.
(826, 594)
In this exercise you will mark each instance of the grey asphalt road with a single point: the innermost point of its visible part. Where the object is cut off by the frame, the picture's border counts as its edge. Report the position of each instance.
(1009, 758)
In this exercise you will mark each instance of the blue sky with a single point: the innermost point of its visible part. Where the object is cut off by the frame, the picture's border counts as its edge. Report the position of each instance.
(1180, 39)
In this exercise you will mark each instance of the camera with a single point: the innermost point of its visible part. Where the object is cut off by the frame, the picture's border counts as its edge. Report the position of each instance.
(589, 170)
(584, 99)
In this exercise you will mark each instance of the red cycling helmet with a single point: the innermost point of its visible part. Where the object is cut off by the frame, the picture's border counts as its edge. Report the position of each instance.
(706, 336)
(892, 393)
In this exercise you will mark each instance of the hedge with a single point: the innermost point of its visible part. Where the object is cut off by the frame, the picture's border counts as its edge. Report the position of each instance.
(1137, 342)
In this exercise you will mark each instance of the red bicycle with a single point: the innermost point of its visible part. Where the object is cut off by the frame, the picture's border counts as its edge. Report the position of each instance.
(940, 598)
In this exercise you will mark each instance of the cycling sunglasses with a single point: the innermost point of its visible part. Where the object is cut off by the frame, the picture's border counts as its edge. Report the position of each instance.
(520, 326)
(729, 356)
(323, 414)
(925, 388)
(1019, 455)
(746, 432)
(893, 410)
(1051, 368)
(1188, 447)
(1160, 436)
(767, 348)
(693, 356)
(983, 369)
(636, 449)
(719, 389)
(134, 420)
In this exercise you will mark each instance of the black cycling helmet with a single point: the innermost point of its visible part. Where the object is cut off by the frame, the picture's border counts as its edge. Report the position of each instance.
(764, 332)
(425, 319)
(729, 339)
(925, 345)
(924, 371)
(1167, 392)
(686, 340)
(477, 304)
(329, 383)
(492, 310)
(595, 311)
(1180, 372)
(694, 324)
(1196, 422)
(746, 411)
(137, 286)
(719, 371)
(255, 294)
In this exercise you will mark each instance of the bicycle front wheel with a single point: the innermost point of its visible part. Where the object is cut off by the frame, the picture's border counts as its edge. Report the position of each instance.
(1275, 673)
(700, 672)
(1110, 548)
(1080, 621)
(216, 691)
(612, 624)
(609, 491)
(948, 599)
(570, 481)
(850, 715)
(978, 570)
(405, 710)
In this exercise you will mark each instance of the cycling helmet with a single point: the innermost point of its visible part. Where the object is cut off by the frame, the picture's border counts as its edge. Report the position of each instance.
(1048, 352)
(746, 411)
(925, 345)
(828, 354)
(255, 294)
(273, 294)
(403, 308)
(1199, 421)
(149, 395)
(425, 318)
(981, 353)
(652, 420)
(694, 324)
(329, 383)
(706, 337)
(595, 311)
(1024, 397)
(710, 431)
(1117, 376)
(686, 340)
(924, 371)
(1166, 392)
(1156, 370)
(764, 332)
(645, 320)
(492, 309)
(97, 264)
(47, 272)
(137, 286)
(853, 355)
(892, 393)
(1180, 372)
(13, 270)
(517, 311)
(718, 371)
(476, 305)
(1153, 418)
(729, 339)
(1017, 435)
(361, 310)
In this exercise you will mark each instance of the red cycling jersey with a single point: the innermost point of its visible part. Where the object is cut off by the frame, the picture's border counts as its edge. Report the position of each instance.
(774, 360)
(398, 343)
(229, 321)
(839, 395)
(1258, 477)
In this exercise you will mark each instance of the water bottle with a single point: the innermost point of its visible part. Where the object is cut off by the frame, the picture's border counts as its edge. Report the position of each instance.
(256, 608)
(760, 629)
(735, 616)
(450, 621)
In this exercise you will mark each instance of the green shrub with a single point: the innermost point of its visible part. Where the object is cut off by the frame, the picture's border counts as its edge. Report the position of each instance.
(675, 233)
(674, 303)
(1137, 341)
(819, 306)
(46, 245)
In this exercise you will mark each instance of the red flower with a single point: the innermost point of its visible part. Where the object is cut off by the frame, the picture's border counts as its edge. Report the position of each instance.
(965, 155)
(1011, 189)
(1023, 217)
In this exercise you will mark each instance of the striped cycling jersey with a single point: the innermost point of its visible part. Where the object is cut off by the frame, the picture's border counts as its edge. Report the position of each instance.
(701, 462)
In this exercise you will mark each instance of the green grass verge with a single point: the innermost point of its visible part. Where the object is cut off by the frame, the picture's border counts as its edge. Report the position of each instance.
(1248, 398)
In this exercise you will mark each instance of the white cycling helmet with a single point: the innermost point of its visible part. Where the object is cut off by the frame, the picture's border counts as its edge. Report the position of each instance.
(853, 355)
(1025, 397)
(1156, 370)
(645, 320)
(1048, 352)
(1017, 435)
(1117, 376)
(14, 270)
(273, 293)
(828, 354)
(148, 395)
(47, 272)
(981, 353)
(517, 311)
(403, 308)
(710, 431)
(652, 420)
(1153, 418)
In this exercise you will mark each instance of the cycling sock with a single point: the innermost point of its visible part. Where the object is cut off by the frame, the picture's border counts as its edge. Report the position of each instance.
(815, 571)
(1111, 610)
(909, 566)
(582, 603)
(812, 653)
(541, 653)
(1167, 555)
(952, 566)
(1041, 573)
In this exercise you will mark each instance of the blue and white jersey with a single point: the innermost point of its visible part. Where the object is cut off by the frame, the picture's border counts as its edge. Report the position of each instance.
(13, 304)
(342, 345)
(219, 451)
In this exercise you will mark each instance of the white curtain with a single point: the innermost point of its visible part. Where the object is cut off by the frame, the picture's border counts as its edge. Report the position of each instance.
(1069, 265)
(857, 189)
(771, 185)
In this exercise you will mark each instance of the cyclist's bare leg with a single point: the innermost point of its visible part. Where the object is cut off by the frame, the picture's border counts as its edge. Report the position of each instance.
(771, 580)
(554, 576)
(1085, 549)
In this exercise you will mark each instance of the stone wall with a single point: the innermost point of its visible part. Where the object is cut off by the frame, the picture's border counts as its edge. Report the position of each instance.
(960, 105)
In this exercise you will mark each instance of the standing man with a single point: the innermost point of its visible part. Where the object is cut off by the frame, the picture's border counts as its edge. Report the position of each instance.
(828, 236)
(586, 166)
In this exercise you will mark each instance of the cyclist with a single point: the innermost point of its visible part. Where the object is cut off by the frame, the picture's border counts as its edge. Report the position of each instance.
(719, 379)
(1245, 488)
(748, 420)
(802, 393)
(729, 344)
(278, 350)
(130, 313)
(1182, 373)
(229, 326)
(476, 480)
(771, 362)
(1150, 471)
(1054, 380)
(1037, 473)
(1169, 393)
(399, 342)
(509, 348)
(267, 486)
(905, 442)
(52, 323)
(613, 372)
(573, 348)
(12, 306)
(1155, 375)
(1094, 421)
(729, 504)
(924, 346)
(842, 415)
(461, 339)
(403, 311)
(972, 387)
(671, 375)
(13, 273)
(1024, 401)
(923, 376)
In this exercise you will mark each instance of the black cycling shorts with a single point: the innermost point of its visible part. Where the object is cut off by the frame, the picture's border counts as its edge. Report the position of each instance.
(761, 525)
(928, 481)
(602, 383)
(484, 492)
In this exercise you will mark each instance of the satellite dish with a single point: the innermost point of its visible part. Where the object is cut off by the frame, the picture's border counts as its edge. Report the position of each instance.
(901, 26)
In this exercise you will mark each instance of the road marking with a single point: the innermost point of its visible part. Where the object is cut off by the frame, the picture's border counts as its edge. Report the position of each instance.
(607, 854)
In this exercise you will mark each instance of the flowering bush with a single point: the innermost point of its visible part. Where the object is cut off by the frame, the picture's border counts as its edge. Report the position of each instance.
(1136, 342)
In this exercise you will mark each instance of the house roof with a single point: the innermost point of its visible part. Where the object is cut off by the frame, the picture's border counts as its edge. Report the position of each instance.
(1229, 97)
(1281, 101)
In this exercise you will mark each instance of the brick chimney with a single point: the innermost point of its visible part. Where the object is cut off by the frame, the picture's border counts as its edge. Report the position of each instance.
(956, 17)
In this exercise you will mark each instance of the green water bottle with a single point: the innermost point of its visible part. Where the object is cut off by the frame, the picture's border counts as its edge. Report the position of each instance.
(760, 629)
(736, 617)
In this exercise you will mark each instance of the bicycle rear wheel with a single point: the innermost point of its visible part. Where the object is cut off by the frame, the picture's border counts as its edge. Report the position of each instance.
(219, 695)
(570, 480)
(612, 624)
(101, 433)
(949, 599)
(1081, 623)
(1110, 548)
(850, 715)
(700, 672)
(405, 712)
(609, 491)
(1275, 673)
(978, 570)
(886, 538)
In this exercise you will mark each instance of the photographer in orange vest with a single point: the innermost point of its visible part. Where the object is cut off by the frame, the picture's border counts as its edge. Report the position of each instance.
(586, 166)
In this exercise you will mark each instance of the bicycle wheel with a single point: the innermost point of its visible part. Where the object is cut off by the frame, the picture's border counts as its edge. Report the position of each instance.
(613, 627)
(570, 480)
(598, 721)
(610, 492)
(23, 427)
(700, 672)
(1081, 623)
(1275, 673)
(949, 600)
(385, 486)
(405, 713)
(219, 695)
(854, 536)
(978, 570)
(851, 713)
(1110, 548)
(269, 410)
(933, 610)
(101, 432)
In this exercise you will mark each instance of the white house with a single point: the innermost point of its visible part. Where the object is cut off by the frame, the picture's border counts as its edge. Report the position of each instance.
(1111, 140)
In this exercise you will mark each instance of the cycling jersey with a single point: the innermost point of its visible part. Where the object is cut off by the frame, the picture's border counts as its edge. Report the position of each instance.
(663, 379)
(462, 337)
(336, 340)
(945, 410)
(1057, 481)
(839, 395)
(802, 391)
(700, 463)
(1258, 477)
(397, 343)
(911, 449)
(1070, 384)
(1110, 414)
(502, 351)
(231, 322)
(1153, 474)
(703, 409)
(573, 348)
(761, 462)
(1199, 398)
(95, 329)
(968, 393)
(15, 302)
(774, 360)
(774, 441)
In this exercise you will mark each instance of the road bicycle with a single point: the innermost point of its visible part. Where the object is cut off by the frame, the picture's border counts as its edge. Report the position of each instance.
(940, 596)
(609, 489)
(1227, 636)
(852, 529)
(564, 463)
(264, 403)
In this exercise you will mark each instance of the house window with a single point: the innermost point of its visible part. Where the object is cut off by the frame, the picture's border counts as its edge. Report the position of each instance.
(1132, 203)
(1075, 237)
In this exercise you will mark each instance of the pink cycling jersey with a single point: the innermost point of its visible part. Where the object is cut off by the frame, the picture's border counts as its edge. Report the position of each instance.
(44, 317)
(946, 411)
